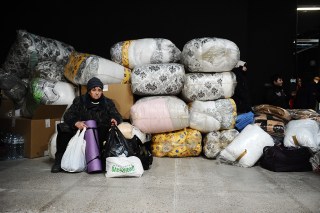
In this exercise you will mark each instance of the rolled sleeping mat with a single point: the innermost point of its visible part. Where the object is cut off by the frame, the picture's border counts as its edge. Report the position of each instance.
(92, 147)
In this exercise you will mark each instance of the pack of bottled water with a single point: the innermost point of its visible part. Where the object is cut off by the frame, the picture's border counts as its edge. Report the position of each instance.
(14, 144)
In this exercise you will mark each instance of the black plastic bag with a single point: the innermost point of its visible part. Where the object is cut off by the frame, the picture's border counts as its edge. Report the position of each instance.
(116, 144)
(142, 151)
(286, 159)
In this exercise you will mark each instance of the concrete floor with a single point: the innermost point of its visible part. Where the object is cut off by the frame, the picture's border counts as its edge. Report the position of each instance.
(171, 185)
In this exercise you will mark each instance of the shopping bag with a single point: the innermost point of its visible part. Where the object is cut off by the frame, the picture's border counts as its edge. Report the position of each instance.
(123, 166)
(74, 159)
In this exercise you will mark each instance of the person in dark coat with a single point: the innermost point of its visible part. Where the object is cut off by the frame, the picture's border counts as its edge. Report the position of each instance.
(275, 94)
(241, 94)
(308, 95)
(91, 106)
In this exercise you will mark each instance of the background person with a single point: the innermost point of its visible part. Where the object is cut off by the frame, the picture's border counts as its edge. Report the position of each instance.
(275, 94)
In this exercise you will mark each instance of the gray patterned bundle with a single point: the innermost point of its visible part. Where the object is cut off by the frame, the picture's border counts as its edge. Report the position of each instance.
(215, 142)
(29, 49)
(138, 52)
(208, 86)
(49, 70)
(210, 55)
(157, 79)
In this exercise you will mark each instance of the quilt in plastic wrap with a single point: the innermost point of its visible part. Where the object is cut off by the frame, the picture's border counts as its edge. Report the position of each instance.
(158, 114)
(210, 55)
(209, 116)
(29, 49)
(138, 52)
(180, 143)
(157, 79)
(208, 86)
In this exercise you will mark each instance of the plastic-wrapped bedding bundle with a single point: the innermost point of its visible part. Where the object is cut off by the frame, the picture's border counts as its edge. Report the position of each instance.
(29, 49)
(13, 87)
(215, 142)
(48, 93)
(159, 114)
(247, 148)
(180, 143)
(81, 67)
(210, 55)
(304, 132)
(49, 70)
(209, 116)
(138, 52)
(208, 86)
(157, 79)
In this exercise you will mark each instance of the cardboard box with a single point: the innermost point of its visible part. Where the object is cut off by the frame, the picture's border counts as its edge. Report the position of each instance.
(36, 131)
(121, 95)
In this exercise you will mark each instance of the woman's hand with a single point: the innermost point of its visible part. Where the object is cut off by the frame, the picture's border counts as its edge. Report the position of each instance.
(80, 125)
(114, 122)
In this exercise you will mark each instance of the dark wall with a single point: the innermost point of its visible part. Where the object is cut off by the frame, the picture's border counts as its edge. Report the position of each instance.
(271, 34)
(264, 33)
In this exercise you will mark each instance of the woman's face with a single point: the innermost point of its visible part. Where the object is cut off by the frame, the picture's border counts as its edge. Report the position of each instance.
(95, 93)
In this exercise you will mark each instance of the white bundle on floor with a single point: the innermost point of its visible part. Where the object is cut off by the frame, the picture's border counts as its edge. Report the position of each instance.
(215, 142)
(210, 55)
(52, 146)
(138, 52)
(159, 114)
(208, 86)
(209, 116)
(157, 79)
(304, 132)
(82, 67)
(247, 148)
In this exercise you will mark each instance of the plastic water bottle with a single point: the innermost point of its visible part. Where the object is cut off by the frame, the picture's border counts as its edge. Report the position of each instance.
(20, 146)
(14, 144)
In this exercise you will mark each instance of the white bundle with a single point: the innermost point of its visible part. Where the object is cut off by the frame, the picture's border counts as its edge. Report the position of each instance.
(209, 116)
(82, 67)
(138, 52)
(158, 114)
(208, 86)
(247, 148)
(210, 55)
(157, 79)
(304, 132)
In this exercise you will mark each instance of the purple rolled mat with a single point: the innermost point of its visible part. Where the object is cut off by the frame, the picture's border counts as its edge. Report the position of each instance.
(92, 147)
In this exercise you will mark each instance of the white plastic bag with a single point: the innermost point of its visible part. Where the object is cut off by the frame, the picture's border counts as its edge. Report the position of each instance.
(74, 159)
(123, 166)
